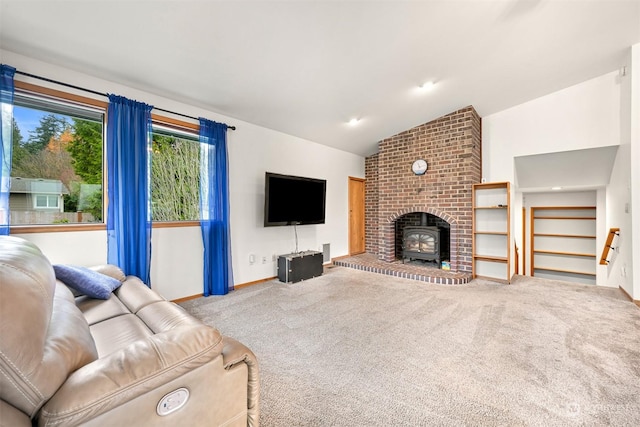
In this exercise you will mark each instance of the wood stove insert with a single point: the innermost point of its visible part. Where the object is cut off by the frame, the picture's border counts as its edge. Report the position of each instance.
(422, 243)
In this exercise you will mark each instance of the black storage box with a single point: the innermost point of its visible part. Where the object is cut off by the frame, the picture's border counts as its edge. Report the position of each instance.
(299, 266)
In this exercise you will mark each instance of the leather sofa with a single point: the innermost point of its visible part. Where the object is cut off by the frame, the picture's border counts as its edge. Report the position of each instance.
(69, 360)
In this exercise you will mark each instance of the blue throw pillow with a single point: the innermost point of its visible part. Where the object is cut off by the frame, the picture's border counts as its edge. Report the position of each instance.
(86, 281)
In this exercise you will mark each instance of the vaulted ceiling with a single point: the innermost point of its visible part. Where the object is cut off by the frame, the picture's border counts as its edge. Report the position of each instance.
(307, 68)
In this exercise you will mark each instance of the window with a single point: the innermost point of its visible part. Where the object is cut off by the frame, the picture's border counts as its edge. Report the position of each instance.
(175, 175)
(57, 162)
(56, 170)
(46, 202)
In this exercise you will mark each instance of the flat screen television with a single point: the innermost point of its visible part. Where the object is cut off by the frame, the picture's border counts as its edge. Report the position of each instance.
(293, 200)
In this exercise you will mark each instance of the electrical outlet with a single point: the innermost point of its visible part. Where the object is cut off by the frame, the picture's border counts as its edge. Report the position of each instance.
(264, 259)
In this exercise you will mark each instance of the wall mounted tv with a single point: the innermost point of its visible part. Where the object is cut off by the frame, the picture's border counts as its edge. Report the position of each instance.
(293, 200)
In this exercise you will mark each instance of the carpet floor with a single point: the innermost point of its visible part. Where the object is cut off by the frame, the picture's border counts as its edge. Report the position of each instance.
(354, 348)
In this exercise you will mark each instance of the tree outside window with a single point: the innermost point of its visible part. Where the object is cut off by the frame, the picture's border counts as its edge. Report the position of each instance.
(60, 149)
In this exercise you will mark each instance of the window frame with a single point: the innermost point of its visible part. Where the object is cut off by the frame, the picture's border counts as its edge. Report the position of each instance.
(48, 198)
(165, 128)
(74, 98)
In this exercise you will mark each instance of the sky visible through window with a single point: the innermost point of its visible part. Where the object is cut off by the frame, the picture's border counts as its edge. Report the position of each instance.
(27, 119)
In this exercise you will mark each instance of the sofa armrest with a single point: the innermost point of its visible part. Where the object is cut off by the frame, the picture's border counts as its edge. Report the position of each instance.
(129, 373)
(110, 270)
(233, 353)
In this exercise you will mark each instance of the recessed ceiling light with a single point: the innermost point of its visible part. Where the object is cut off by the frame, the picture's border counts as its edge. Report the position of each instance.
(354, 121)
(556, 188)
(427, 86)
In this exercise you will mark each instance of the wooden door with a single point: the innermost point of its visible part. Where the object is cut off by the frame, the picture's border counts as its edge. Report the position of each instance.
(356, 216)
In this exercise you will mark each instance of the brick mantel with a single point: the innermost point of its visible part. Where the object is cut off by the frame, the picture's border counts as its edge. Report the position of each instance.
(452, 147)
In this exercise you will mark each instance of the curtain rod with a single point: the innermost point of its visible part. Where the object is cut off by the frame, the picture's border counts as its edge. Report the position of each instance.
(104, 94)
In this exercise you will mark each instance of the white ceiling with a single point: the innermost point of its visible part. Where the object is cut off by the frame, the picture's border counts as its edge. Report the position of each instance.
(306, 68)
(586, 169)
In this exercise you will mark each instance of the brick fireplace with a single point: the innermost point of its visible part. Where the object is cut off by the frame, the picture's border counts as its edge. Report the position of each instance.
(452, 147)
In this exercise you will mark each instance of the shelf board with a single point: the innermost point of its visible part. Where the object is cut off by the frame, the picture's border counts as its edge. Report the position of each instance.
(495, 233)
(495, 279)
(559, 270)
(565, 208)
(590, 218)
(491, 185)
(577, 236)
(490, 258)
(564, 253)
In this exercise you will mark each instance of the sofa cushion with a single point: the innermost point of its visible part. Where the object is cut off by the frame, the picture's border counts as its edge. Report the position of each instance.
(135, 295)
(118, 332)
(164, 315)
(89, 282)
(98, 310)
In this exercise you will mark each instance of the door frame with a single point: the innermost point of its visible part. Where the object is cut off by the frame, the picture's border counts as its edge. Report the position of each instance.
(361, 212)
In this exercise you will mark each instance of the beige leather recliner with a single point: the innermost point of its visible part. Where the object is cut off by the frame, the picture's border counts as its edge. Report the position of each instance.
(67, 361)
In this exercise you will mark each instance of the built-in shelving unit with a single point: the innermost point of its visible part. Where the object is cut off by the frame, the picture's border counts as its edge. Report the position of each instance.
(563, 243)
(491, 231)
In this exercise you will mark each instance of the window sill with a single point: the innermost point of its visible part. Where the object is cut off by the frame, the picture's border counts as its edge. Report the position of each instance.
(172, 224)
(55, 228)
(62, 228)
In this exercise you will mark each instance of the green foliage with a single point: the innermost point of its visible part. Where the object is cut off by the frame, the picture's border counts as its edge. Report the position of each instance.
(51, 127)
(175, 179)
(70, 153)
(86, 150)
(94, 206)
(73, 154)
(18, 152)
(71, 200)
(45, 164)
(34, 158)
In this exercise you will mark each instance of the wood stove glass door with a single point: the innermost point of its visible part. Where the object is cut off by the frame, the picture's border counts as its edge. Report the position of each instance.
(412, 242)
(427, 243)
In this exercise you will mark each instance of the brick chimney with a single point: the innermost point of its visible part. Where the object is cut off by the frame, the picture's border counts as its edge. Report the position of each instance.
(452, 147)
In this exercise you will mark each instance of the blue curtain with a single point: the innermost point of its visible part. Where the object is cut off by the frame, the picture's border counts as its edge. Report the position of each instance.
(214, 208)
(128, 211)
(6, 142)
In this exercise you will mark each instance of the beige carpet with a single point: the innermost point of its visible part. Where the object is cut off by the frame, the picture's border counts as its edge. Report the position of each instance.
(352, 348)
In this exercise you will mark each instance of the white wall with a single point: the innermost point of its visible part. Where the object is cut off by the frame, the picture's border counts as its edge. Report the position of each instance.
(587, 115)
(618, 198)
(176, 265)
(258, 152)
(632, 284)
